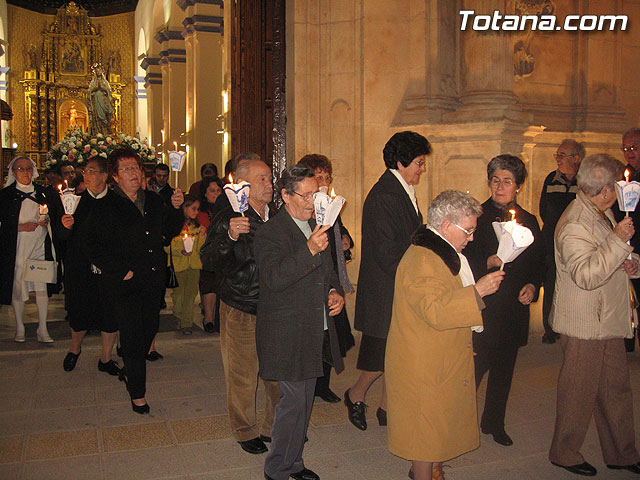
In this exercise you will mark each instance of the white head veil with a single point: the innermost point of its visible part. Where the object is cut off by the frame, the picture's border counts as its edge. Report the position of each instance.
(12, 178)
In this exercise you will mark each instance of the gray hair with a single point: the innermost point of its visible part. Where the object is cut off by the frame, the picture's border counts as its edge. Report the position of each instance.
(577, 148)
(243, 166)
(508, 162)
(454, 206)
(598, 171)
(291, 176)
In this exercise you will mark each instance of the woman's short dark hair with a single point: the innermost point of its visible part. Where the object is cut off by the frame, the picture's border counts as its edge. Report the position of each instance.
(119, 154)
(101, 163)
(205, 206)
(316, 161)
(65, 163)
(403, 147)
(209, 166)
(510, 163)
(291, 176)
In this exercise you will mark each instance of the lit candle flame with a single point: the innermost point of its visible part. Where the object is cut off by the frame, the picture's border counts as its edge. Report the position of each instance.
(185, 235)
(513, 214)
(626, 175)
(175, 145)
(66, 184)
(60, 188)
(231, 179)
(333, 193)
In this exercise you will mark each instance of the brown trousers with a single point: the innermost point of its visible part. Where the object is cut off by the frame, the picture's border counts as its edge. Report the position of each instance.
(240, 361)
(594, 381)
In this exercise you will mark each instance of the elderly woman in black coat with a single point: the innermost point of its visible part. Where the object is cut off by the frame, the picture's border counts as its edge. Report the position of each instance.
(24, 235)
(506, 317)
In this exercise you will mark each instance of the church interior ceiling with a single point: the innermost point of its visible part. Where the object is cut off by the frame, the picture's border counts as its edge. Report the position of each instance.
(96, 8)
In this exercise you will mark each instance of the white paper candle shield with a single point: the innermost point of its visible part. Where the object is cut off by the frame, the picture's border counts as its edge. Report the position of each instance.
(69, 201)
(187, 243)
(628, 194)
(327, 208)
(43, 209)
(513, 240)
(176, 160)
(238, 195)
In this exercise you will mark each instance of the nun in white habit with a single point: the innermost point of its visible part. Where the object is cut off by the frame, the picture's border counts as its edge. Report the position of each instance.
(24, 234)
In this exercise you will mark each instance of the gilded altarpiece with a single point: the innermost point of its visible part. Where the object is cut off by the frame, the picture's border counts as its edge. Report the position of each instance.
(57, 69)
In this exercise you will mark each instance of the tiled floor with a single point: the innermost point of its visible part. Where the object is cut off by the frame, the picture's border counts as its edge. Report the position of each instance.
(79, 425)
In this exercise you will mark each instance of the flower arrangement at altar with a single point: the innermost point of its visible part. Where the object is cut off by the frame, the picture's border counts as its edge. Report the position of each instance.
(78, 147)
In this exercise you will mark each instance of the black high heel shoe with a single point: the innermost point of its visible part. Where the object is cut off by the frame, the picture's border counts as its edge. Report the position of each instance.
(382, 417)
(141, 409)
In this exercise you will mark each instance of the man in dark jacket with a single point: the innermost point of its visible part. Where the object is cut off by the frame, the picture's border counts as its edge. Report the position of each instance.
(125, 235)
(84, 302)
(161, 183)
(229, 249)
(295, 331)
(558, 191)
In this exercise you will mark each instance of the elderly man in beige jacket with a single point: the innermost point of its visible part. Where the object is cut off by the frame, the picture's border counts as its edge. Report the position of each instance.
(592, 313)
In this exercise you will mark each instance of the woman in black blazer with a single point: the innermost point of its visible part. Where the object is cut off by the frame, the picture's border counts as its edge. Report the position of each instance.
(125, 235)
(506, 316)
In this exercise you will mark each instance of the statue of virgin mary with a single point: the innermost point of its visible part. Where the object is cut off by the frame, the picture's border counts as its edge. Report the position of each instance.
(100, 107)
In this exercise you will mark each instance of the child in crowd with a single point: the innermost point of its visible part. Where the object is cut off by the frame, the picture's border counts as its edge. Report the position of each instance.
(186, 262)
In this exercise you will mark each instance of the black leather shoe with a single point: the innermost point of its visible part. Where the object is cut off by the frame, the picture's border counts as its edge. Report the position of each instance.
(584, 468)
(141, 409)
(69, 362)
(305, 474)
(634, 468)
(152, 356)
(549, 338)
(264, 438)
(328, 396)
(254, 446)
(356, 412)
(267, 477)
(209, 327)
(110, 367)
(499, 436)
(382, 417)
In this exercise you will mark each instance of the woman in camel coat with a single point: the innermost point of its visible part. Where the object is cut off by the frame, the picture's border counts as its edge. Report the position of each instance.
(429, 358)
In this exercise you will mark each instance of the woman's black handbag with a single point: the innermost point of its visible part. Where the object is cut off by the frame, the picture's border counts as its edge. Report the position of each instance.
(172, 279)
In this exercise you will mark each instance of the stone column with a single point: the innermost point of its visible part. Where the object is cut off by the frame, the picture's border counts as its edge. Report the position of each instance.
(153, 86)
(203, 29)
(487, 70)
(173, 69)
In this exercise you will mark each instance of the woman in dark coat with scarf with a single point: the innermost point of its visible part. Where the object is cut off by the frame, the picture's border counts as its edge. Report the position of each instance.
(24, 235)
(506, 317)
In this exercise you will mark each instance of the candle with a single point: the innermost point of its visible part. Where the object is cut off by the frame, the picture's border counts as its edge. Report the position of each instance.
(333, 193)
(187, 243)
(238, 195)
(43, 209)
(60, 189)
(626, 175)
(513, 214)
(66, 184)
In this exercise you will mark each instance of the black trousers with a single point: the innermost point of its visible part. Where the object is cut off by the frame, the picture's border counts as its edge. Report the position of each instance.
(499, 362)
(138, 314)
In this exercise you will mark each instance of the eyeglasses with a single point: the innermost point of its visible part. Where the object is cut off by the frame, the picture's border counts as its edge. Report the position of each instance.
(420, 163)
(23, 169)
(307, 197)
(496, 182)
(563, 155)
(325, 178)
(469, 232)
(630, 148)
(92, 171)
(129, 169)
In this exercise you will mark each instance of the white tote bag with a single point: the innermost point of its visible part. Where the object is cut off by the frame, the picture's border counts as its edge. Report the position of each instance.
(44, 271)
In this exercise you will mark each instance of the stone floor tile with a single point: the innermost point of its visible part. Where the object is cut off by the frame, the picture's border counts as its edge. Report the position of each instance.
(10, 471)
(16, 402)
(11, 449)
(135, 437)
(170, 373)
(201, 429)
(61, 444)
(106, 395)
(178, 389)
(543, 378)
(85, 467)
(14, 423)
(153, 463)
(15, 385)
(255, 473)
(45, 383)
(217, 455)
(189, 407)
(66, 397)
(123, 414)
(68, 418)
(343, 438)
(330, 414)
